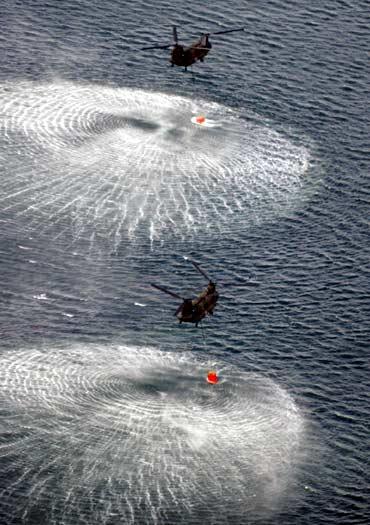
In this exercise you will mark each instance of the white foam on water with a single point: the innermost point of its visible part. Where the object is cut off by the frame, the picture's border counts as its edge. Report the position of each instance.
(140, 432)
(115, 162)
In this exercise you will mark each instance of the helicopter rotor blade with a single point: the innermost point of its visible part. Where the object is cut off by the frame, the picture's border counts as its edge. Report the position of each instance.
(198, 47)
(227, 31)
(165, 46)
(196, 265)
(166, 291)
(176, 40)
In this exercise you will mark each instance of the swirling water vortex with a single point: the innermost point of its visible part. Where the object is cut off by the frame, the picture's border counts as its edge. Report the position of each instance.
(136, 435)
(114, 162)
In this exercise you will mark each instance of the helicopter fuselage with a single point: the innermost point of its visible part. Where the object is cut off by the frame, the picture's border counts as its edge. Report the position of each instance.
(186, 56)
(194, 310)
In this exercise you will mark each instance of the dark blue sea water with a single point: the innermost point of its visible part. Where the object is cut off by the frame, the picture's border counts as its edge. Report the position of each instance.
(107, 186)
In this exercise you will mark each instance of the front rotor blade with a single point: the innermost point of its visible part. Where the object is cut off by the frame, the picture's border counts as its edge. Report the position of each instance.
(174, 34)
(227, 31)
(196, 265)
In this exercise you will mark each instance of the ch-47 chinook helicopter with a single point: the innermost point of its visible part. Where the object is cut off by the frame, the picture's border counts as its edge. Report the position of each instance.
(186, 56)
(194, 310)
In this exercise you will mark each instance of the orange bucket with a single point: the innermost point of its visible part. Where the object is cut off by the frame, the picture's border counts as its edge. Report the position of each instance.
(212, 377)
(200, 119)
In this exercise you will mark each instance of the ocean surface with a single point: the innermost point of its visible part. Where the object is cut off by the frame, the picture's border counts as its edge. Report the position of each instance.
(107, 185)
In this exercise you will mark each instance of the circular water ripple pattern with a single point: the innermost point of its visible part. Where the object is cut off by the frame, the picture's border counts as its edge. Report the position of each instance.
(129, 435)
(113, 162)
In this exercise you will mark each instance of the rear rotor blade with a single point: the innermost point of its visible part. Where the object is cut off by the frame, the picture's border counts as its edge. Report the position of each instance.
(227, 31)
(166, 291)
(165, 46)
(174, 34)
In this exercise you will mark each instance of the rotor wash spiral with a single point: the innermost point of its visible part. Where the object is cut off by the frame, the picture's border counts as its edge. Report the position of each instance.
(113, 162)
(120, 434)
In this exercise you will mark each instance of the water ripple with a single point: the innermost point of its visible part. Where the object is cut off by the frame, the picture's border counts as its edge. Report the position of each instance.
(143, 433)
(109, 162)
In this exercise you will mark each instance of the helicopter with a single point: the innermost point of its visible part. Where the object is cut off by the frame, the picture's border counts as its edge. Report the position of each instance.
(186, 56)
(194, 310)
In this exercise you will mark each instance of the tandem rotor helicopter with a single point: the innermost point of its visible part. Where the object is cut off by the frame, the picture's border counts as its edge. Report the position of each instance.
(194, 310)
(186, 56)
